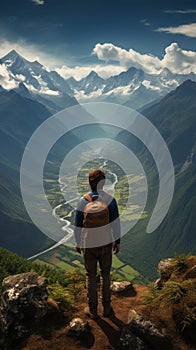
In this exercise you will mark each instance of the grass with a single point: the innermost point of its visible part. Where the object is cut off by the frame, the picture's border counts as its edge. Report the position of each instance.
(175, 302)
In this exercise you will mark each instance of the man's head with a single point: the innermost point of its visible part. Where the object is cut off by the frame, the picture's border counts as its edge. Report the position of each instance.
(96, 179)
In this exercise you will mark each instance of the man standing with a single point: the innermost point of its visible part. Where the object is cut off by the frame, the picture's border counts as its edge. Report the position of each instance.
(106, 237)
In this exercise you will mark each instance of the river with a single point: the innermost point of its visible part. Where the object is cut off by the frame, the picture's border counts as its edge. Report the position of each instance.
(65, 219)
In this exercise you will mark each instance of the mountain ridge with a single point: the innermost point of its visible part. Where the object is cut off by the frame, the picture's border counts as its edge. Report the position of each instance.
(133, 87)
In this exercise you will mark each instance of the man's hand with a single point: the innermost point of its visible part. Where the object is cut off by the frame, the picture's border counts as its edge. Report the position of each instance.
(78, 250)
(116, 248)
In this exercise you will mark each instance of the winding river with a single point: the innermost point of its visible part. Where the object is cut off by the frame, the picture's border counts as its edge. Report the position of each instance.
(65, 219)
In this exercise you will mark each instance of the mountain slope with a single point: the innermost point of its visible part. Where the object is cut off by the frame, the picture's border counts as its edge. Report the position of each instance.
(19, 118)
(174, 117)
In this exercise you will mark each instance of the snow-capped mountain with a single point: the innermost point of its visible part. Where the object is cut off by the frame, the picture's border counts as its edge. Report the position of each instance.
(134, 87)
(33, 80)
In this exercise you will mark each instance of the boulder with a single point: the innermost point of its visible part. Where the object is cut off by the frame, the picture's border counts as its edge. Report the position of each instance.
(78, 328)
(165, 269)
(23, 302)
(147, 332)
(129, 341)
(123, 288)
(81, 331)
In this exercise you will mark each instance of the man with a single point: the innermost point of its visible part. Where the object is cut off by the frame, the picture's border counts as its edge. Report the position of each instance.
(97, 252)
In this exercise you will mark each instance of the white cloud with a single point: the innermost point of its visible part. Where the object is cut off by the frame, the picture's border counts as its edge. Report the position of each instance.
(184, 29)
(79, 72)
(183, 12)
(39, 2)
(127, 58)
(178, 60)
(175, 59)
(145, 22)
(6, 79)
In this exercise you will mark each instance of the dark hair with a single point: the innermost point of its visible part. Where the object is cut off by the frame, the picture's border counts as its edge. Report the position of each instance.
(95, 176)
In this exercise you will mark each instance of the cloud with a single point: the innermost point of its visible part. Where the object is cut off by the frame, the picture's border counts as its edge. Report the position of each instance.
(175, 59)
(109, 52)
(145, 22)
(39, 2)
(178, 60)
(184, 29)
(79, 72)
(183, 12)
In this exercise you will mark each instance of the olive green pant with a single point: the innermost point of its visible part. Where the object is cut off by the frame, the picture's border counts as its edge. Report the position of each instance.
(93, 256)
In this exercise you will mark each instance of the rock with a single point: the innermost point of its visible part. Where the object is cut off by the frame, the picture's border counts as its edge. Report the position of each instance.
(129, 341)
(147, 332)
(81, 331)
(78, 328)
(23, 302)
(123, 288)
(165, 269)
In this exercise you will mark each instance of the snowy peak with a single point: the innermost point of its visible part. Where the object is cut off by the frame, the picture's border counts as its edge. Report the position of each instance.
(33, 80)
(133, 87)
(92, 77)
(35, 77)
(12, 55)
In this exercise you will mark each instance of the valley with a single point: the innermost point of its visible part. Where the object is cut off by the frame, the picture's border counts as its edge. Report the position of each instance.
(118, 184)
(22, 111)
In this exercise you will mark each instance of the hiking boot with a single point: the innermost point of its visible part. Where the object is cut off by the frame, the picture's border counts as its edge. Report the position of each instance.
(106, 310)
(91, 313)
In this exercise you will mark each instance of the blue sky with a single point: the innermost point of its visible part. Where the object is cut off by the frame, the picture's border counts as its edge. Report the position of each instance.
(73, 35)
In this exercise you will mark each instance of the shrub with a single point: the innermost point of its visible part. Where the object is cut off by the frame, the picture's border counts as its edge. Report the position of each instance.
(61, 295)
(173, 291)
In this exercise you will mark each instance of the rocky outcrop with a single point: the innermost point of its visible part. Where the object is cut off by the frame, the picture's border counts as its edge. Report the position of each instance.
(129, 341)
(81, 331)
(141, 334)
(23, 302)
(165, 270)
(123, 288)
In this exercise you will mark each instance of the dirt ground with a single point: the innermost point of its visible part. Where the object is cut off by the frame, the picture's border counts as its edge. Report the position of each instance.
(105, 332)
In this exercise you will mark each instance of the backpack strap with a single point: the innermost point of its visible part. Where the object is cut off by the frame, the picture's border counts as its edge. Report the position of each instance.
(88, 197)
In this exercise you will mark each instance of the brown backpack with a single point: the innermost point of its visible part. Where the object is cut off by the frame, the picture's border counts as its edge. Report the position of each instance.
(96, 220)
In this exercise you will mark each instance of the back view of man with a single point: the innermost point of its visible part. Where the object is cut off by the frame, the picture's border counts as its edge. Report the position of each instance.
(97, 238)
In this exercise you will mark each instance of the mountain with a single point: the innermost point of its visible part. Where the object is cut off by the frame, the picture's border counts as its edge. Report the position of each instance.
(19, 118)
(44, 86)
(174, 117)
(32, 93)
(133, 87)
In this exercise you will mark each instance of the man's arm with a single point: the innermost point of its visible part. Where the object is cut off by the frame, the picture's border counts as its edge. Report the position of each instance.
(78, 224)
(115, 224)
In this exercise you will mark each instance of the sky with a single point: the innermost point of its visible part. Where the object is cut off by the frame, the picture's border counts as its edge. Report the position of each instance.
(76, 36)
